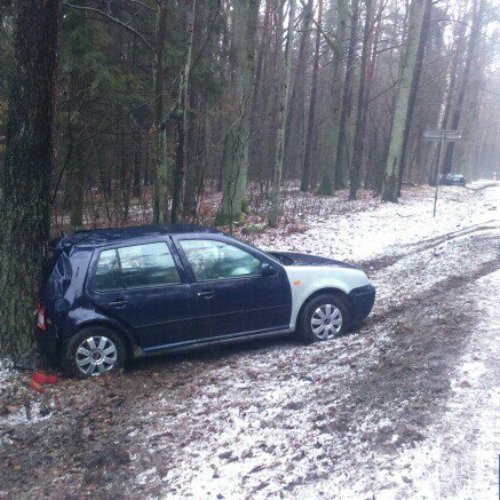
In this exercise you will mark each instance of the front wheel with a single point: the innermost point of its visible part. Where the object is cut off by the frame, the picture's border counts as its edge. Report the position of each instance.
(323, 318)
(93, 351)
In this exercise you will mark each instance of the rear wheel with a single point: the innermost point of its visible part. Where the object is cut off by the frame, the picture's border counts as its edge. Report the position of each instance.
(323, 318)
(93, 351)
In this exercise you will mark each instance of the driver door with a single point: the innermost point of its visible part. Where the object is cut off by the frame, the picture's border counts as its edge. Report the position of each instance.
(229, 290)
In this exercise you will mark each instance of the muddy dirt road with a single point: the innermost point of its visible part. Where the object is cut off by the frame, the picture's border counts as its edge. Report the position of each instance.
(406, 406)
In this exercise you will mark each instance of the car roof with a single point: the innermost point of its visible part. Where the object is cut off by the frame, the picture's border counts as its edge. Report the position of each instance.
(98, 237)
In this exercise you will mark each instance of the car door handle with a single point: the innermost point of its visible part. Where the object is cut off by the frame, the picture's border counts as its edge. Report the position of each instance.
(208, 294)
(118, 304)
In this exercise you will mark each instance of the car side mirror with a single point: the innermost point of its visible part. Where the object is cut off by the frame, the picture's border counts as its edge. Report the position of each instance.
(266, 269)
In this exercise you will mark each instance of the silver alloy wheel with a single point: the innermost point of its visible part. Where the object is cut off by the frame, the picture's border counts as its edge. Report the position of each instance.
(326, 321)
(97, 354)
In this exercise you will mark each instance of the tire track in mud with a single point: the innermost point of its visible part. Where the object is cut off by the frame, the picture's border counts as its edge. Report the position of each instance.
(379, 263)
(432, 294)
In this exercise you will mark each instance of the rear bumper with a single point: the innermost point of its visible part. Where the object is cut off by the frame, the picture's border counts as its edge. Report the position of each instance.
(361, 302)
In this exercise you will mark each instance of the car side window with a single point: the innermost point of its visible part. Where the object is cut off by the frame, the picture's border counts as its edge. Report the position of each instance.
(135, 266)
(211, 260)
(107, 275)
(147, 265)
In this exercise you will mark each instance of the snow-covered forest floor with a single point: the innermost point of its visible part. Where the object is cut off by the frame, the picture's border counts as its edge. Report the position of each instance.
(407, 406)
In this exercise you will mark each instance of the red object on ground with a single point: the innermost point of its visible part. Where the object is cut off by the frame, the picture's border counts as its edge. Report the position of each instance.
(38, 387)
(42, 378)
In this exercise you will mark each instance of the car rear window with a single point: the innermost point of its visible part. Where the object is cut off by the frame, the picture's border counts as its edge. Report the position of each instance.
(135, 266)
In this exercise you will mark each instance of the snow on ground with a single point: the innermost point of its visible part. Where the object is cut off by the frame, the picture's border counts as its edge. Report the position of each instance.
(368, 228)
(460, 458)
(371, 414)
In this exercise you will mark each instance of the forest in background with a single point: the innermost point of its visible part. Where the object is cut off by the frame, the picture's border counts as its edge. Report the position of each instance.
(158, 101)
(113, 107)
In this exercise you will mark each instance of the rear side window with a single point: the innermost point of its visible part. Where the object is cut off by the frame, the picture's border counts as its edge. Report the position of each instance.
(107, 275)
(147, 265)
(135, 266)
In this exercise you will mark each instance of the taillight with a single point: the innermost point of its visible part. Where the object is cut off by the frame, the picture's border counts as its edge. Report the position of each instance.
(40, 322)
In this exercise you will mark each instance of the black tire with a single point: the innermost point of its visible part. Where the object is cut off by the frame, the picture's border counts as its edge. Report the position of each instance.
(323, 302)
(105, 360)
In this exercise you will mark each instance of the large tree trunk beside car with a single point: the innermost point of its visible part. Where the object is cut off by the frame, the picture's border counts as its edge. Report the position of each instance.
(25, 178)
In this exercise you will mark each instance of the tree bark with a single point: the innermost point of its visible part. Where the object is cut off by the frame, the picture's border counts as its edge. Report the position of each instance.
(25, 178)
(457, 52)
(237, 143)
(338, 73)
(471, 53)
(424, 34)
(306, 171)
(283, 107)
(359, 137)
(161, 185)
(399, 117)
(183, 122)
(341, 155)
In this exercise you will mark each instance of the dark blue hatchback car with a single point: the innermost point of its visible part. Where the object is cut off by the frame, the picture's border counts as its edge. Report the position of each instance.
(114, 294)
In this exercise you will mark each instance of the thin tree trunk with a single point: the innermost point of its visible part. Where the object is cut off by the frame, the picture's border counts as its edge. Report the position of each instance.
(359, 136)
(183, 123)
(471, 53)
(399, 118)
(306, 171)
(25, 177)
(341, 155)
(283, 108)
(160, 189)
(457, 53)
(327, 176)
(294, 140)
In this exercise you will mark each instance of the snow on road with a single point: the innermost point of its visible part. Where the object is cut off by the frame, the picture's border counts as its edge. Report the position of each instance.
(460, 458)
(367, 228)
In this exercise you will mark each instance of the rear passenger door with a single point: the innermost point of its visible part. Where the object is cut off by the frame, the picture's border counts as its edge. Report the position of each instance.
(143, 287)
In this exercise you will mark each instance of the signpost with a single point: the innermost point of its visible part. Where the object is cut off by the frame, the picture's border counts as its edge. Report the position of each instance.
(442, 136)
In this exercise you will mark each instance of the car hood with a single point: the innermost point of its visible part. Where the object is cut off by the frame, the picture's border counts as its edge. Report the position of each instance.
(302, 259)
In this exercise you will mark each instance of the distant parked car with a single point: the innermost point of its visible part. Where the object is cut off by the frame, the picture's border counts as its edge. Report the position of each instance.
(453, 179)
(114, 294)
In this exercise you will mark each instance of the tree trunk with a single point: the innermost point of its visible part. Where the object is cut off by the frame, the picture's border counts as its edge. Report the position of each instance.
(457, 52)
(341, 155)
(424, 33)
(327, 176)
(306, 171)
(75, 178)
(471, 53)
(237, 144)
(359, 136)
(183, 123)
(294, 140)
(25, 177)
(399, 117)
(160, 188)
(283, 107)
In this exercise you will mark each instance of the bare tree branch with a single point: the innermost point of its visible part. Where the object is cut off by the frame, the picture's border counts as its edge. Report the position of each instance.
(113, 19)
(330, 39)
